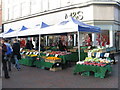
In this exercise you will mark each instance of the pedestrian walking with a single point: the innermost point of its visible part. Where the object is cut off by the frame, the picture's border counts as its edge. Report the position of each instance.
(8, 53)
(16, 53)
(4, 60)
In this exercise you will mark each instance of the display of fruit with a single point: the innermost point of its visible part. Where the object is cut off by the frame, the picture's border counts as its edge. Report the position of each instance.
(96, 59)
(94, 64)
(32, 55)
(58, 52)
(53, 58)
(88, 59)
(103, 65)
(80, 62)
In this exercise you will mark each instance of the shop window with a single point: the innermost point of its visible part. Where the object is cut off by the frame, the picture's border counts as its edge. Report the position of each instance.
(65, 3)
(86, 39)
(25, 8)
(10, 13)
(16, 11)
(53, 4)
(103, 38)
(45, 4)
(6, 14)
(36, 6)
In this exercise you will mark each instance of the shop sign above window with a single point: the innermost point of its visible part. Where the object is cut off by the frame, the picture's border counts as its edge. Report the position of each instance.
(75, 14)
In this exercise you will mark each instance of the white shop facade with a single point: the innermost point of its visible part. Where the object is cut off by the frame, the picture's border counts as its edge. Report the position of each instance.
(105, 16)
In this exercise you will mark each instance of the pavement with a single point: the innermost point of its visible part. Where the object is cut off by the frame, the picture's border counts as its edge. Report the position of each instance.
(33, 77)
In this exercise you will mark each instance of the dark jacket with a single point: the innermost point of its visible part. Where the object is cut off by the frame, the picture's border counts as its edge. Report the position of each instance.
(29, 45)
(16, 50)
(61, 46)
(4, 49)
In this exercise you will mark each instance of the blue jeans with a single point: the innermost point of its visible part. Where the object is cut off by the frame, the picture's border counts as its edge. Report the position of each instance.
(16, 62)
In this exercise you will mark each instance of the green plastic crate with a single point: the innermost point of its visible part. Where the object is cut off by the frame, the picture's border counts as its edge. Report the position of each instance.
(85, 73)
(98, 75)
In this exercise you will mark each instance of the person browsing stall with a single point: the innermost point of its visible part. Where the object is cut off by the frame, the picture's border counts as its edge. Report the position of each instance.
(16, 53)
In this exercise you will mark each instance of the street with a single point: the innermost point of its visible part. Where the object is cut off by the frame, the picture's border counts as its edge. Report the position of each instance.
(32, 77)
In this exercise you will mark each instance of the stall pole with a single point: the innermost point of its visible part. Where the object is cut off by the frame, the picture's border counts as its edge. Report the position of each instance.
(17, 35)
(46, 40)
(17, 38)
(39, 43)
(79, 45)
(100, 39)
(74, 39)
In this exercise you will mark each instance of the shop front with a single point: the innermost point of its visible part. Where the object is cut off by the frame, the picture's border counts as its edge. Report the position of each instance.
(91, 14)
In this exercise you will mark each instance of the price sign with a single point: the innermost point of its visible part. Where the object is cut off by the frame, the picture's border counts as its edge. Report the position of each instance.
(27, 53)
(106, 55)
(89, 47)
(56, 55)
(37, 53)
(47, 54)
(89, 54)
(23, 52)
(21, 49)
(34, 52)
(97, 54)
(30, 53)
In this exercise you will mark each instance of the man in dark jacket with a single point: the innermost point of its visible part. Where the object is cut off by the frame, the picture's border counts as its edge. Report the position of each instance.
(16, 53)
(4, 61)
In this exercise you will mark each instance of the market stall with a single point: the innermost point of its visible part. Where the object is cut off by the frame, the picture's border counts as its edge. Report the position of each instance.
(70, 25)
(99, 66)
(99, 71)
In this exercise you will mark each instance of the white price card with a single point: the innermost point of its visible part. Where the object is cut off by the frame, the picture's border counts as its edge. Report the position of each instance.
(37, 53)
(47, 54)
(56, 55)
(89, 47)
(34, 52)
(30, 53)
(27, 53)
(106, 55)
(89, 54)
(21, 49)
(23, 52)
(97, 54)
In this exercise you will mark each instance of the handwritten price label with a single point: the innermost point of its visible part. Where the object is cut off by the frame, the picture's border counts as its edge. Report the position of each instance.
(106, 55)
(37, 53)
(56, 55)
(89, 54)
(98, 54)
(47, 54)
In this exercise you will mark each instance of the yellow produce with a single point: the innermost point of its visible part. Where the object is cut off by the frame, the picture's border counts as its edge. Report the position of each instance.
(32, 55)
(53, 58)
